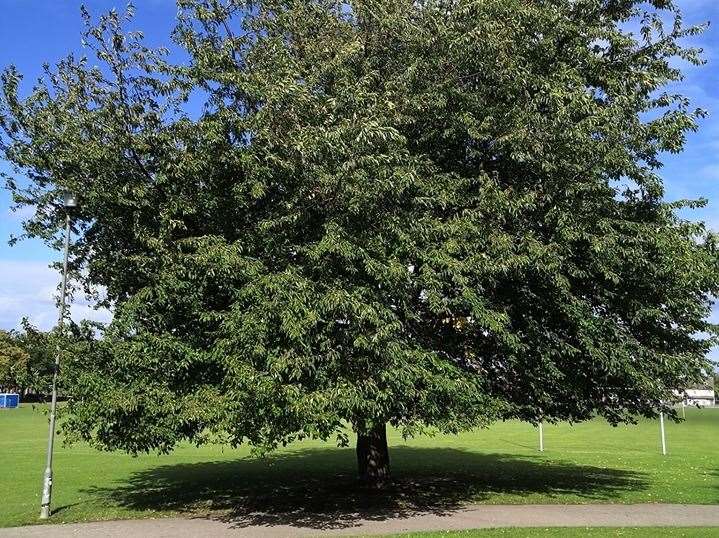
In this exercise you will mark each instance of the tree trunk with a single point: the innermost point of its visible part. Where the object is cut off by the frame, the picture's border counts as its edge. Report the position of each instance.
(373, 457)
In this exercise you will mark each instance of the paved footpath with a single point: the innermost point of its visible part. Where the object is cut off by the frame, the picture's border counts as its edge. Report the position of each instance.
(473, 517)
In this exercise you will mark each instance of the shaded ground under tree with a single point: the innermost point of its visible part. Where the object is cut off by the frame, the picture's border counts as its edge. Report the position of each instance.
(303, 488)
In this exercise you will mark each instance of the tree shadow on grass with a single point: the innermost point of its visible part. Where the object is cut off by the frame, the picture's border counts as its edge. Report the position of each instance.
(316, 488)
(715, 474)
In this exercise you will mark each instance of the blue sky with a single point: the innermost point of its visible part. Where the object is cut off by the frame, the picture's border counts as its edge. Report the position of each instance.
(35, 31)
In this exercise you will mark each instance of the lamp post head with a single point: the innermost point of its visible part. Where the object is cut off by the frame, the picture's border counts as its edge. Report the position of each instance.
(69, 200)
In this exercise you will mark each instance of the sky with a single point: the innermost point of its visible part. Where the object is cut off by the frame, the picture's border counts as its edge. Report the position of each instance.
(37, 31)
(33, 32)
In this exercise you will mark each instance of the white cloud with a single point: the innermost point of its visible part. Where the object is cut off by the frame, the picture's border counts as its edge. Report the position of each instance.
(23, 213)
(28, 289)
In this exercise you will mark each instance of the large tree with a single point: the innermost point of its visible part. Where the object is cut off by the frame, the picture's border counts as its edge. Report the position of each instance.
(431, 214)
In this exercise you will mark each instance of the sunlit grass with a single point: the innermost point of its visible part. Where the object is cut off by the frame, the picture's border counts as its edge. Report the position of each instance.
(312, 483)
(647, 532)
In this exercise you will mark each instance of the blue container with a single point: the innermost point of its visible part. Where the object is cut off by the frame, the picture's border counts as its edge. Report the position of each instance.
(9, 401)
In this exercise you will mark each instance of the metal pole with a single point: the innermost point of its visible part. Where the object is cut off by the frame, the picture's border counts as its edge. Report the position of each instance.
(541, 438)
(47, 478)
(684, 411)
(664, 439)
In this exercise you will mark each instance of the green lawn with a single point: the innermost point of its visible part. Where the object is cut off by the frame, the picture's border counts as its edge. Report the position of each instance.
(647, 532)
(313, 483)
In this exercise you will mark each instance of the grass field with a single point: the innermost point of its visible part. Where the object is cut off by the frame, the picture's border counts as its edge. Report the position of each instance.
(651, 532)
(313, 483)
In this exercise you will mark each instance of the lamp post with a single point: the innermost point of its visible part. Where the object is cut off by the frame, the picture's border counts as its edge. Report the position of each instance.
(69, 202)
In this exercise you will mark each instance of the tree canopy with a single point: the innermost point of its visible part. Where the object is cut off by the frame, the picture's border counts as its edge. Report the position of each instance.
(432, 214)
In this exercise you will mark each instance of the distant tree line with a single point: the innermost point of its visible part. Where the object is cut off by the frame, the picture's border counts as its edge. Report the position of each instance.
(27, 356)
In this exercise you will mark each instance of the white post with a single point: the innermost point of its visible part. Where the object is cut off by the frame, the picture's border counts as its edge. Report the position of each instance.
(664, 439)
(541, 438)
(684, 412)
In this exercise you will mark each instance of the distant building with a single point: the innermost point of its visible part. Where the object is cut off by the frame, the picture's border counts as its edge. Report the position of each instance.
(702, 397)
